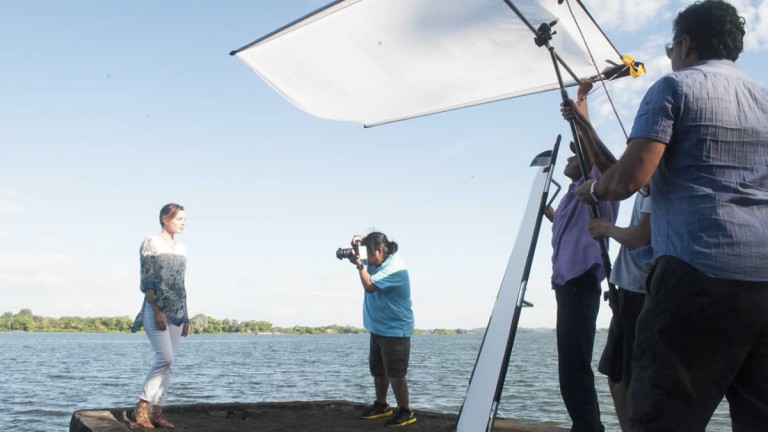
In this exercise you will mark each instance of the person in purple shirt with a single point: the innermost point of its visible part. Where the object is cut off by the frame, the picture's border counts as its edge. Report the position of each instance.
(577, 271)
(701, 137)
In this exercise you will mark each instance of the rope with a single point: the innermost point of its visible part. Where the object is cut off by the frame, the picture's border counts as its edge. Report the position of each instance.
(598, 74)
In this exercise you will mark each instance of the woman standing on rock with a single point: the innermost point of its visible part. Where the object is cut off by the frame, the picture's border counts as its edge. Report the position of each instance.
(164, 311)
(388, 317)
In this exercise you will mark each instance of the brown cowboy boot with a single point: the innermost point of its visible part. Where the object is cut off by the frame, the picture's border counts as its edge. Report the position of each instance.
(141, 415)
(159, 420)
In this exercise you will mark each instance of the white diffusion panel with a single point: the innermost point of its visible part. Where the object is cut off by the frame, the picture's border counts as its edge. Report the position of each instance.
(377, 61)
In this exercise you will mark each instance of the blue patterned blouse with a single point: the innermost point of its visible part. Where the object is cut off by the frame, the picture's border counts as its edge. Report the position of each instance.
(162, 269)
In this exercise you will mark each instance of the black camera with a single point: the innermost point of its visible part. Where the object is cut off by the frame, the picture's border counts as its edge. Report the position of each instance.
(345, 253)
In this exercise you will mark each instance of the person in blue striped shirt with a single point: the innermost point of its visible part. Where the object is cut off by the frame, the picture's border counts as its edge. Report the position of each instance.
(701, 137)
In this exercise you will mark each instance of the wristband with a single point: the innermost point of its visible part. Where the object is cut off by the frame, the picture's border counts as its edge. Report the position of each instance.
(592, 192)
(360, 266)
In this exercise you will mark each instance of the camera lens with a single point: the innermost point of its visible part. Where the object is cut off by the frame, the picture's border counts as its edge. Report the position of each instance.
(342, 253)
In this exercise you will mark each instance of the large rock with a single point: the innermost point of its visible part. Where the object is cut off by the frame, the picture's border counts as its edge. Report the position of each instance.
(318, 416)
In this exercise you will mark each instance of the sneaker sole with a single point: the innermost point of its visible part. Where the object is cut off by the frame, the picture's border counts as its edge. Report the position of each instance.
(405, 423)
(375, 416)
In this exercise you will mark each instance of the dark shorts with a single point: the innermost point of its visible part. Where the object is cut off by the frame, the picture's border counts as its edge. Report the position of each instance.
(389, 356)
(616, 361)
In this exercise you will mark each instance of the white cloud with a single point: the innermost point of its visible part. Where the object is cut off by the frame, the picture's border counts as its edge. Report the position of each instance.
(8, 208)
(627, 92)
(628, 14)
(756, 16)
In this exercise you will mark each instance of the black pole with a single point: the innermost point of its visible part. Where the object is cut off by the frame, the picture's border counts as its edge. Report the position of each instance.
(528, 24)
(544, 36)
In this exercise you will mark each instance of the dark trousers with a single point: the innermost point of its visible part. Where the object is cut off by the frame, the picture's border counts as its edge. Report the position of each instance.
(578, 302)
(699, 339)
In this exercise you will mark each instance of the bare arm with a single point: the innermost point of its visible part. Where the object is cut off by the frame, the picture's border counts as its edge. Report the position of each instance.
(594, 149)
(599, 154)
(581, 116)
(631, 237)
(633, 170)
(365, 279)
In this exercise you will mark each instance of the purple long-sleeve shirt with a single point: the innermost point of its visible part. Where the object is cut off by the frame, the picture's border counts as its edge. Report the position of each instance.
(574, 251)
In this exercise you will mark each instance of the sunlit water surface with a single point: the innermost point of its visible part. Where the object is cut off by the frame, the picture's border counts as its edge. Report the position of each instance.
(47, 376)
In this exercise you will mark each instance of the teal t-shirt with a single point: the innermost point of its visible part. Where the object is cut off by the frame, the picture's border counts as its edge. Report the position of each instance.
(387, 312)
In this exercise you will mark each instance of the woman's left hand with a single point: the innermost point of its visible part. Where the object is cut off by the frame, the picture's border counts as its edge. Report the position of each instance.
(185, 329)
(160, 321)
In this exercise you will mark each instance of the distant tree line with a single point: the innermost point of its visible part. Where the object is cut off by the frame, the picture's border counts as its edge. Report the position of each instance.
(205, 324)
(25, 320)
(448, 331)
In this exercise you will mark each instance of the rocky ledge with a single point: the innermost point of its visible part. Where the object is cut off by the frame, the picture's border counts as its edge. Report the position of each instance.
(315, 416)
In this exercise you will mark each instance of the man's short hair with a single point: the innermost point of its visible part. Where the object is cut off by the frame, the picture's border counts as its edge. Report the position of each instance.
(715, 28)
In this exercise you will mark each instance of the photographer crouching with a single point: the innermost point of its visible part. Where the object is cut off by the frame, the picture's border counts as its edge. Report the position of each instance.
(388, 317)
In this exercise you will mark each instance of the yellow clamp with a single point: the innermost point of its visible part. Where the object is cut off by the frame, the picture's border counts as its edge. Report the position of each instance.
(635, 68)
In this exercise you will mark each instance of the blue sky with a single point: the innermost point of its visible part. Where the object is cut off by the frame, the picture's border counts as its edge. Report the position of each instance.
(109, 110)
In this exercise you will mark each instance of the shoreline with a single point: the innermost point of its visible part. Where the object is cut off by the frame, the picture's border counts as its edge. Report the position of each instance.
(26, 320)
(438, 332)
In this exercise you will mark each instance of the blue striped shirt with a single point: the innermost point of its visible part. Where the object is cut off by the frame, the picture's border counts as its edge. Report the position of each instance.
(710, 190)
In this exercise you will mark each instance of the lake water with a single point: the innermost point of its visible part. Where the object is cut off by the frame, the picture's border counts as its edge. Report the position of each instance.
(47, 376)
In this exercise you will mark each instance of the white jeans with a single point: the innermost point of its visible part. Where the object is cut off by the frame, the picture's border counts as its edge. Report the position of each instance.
(165, 343)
